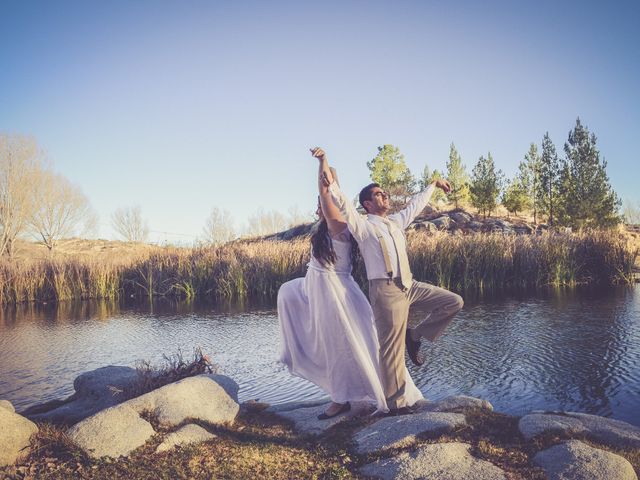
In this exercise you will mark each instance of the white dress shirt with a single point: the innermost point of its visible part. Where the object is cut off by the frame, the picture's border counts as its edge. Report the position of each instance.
(363, 229)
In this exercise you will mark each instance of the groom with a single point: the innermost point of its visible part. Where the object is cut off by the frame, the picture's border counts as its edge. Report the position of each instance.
(392, 289)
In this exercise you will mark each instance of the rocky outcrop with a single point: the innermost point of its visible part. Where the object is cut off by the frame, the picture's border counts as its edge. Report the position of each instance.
(120, 429)
(15, 433)
(305, 416)
(575, 460)
(187, 435)
(602, 429)
(439, 461)
(392, 432)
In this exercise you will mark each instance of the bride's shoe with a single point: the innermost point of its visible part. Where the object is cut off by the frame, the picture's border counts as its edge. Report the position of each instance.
(344, 408)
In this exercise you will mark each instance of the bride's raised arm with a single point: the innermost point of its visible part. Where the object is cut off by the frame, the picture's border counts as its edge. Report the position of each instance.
(326, 175)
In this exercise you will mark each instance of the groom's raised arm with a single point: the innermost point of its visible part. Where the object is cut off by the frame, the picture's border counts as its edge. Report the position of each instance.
(417, 203)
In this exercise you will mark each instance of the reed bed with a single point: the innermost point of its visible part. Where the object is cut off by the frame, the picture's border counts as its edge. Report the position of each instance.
(241, 270)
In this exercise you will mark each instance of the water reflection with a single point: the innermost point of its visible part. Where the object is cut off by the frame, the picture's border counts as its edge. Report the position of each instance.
(575, 351)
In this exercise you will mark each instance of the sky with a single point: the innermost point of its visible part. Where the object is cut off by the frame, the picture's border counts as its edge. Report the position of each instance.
(183, 106)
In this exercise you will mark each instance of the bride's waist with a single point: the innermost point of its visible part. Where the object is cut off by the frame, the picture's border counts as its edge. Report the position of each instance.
(330, 269)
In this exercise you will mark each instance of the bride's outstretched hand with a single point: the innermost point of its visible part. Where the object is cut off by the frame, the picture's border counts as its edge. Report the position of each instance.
(318, 153)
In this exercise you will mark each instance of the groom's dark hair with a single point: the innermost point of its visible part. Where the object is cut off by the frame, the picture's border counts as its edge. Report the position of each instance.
(365, 193)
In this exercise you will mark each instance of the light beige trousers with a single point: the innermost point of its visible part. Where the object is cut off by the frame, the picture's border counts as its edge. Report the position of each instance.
(390, 304)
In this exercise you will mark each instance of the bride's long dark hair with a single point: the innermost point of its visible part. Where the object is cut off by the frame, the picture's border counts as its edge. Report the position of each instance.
(322, 246)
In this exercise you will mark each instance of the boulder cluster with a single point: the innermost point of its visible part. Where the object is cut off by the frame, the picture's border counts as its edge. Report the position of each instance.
(390, 447)
(434, 220)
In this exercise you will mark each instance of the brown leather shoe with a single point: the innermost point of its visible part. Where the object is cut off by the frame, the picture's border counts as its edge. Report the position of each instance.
(413, 349)
(401, 411)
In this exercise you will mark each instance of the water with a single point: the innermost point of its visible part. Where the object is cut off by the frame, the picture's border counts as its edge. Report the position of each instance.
(573, 351)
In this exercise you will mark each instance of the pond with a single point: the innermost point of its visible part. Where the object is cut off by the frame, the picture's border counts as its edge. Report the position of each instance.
(572, 351)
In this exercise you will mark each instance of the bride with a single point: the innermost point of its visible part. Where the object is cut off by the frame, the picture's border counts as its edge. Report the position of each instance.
(327, 331)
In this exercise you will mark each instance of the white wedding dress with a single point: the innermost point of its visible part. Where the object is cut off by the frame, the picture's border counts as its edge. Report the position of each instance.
(328, 334)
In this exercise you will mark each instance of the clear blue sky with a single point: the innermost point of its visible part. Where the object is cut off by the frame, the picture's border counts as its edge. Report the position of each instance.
(182, 106)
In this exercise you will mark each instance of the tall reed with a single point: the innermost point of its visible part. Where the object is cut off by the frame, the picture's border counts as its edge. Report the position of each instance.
(241, 270)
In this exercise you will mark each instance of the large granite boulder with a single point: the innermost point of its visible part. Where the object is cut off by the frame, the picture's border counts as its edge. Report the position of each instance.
(15, 432)
(200, 397)
(120, 429)
(460, 217)
(401, 431)
(187, 435)
(614, 432)
(575, 460)
(438, 461)
(113, 432)
(7, 405)
(94, 391)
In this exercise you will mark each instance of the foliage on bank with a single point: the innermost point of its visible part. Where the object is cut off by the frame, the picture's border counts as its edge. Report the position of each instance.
(257, 269)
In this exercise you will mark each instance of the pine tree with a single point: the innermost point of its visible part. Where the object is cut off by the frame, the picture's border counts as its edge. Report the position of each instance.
(389, 169)
(549, 179)
(515, 197)
(457, 177)
(588, 201)
(530, 173)
(485, 185)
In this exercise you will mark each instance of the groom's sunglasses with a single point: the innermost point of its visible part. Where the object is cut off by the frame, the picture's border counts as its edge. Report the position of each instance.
(381, 194)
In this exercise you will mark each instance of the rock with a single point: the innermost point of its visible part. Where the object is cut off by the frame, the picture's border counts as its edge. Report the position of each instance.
(7, 405)
(425, 226)
(610, 431)
(523, 230)
(305, 418)
(94, 391)
(438, 461)
(460, 217)
(199, 397)
(227, 383)
(614, 432)
(391, 432)
(120, 429)
(475, 226)
(15, 432)
(112, 432)
(574, 460)
(186, 435)
(537, 423)
(443, 222)
(457, 401)
(288, 406)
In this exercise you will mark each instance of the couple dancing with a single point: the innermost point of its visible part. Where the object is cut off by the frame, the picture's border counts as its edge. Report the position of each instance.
(330, 334)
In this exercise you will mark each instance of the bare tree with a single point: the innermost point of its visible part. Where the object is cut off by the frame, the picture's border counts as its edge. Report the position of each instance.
(298, 217)
(219, 227)
(265, 222)
(129, 224)
(60, 208)
(631, 212)
(20, 162)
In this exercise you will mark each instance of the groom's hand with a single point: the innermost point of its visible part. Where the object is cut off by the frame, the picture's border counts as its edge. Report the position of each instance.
(443, 184)
(318, 153)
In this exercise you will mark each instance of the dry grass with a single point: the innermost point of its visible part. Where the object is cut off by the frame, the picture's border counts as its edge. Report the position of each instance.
(175, 368)
(256, 269)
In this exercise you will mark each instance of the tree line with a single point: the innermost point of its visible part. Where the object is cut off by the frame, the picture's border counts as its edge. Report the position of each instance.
(573, 191)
